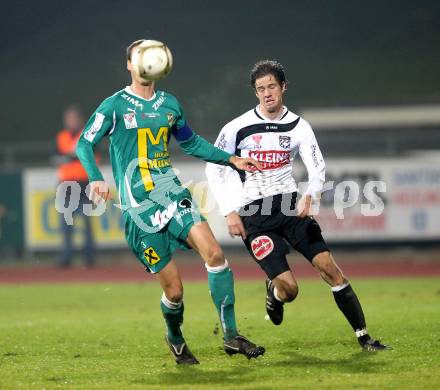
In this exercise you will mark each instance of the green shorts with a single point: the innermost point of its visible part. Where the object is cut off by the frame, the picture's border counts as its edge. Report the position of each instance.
(155, 234)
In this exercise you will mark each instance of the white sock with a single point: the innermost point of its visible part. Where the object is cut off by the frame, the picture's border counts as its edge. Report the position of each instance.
(339, 288)
(361, 332)
(219, 268)
(169, 304)
(275, 294)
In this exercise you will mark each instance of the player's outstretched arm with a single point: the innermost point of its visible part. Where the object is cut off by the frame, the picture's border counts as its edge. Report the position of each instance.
(195, 145)
(245, 164)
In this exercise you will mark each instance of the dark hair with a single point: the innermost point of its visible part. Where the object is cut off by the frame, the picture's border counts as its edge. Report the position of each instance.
(131, 46)
(265, 67)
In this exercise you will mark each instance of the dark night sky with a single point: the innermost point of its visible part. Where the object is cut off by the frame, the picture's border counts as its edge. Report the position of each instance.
(54, 53)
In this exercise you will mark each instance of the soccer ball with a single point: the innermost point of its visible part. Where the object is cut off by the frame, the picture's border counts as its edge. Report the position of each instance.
(152, 60)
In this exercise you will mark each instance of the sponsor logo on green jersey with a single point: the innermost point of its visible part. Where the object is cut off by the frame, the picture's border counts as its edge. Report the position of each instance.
(133, 101)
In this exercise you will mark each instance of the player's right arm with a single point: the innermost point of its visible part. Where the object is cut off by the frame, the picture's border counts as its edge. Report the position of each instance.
(226, 189)
(99, 124)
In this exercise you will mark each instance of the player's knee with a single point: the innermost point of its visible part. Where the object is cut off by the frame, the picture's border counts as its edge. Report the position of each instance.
(288, 291)
(214, 256)
(332, 274)
(292, 292)
(338, 279)
(175, 295)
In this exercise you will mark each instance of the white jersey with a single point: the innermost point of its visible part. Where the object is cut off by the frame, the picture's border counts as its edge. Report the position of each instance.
(275, 144)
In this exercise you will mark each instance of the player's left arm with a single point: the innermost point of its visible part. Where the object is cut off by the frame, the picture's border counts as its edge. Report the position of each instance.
(224, 184)
(195, 145)
(312, 158)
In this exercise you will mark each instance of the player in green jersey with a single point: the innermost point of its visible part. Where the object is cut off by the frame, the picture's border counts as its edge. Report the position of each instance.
(159, 213)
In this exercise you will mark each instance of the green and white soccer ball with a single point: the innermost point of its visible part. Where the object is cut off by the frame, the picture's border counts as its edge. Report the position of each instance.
(152, 60)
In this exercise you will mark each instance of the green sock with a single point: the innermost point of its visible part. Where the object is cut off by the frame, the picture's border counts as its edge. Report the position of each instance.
(173, 319)
(221, 286)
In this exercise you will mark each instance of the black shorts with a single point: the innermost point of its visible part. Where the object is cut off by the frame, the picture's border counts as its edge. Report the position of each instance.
(272, 227)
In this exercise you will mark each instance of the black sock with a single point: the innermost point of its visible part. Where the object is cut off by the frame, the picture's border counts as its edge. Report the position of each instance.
(349, 304)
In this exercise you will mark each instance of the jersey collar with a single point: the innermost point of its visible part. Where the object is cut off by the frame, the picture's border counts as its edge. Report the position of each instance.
(282, 114)
(131, 92)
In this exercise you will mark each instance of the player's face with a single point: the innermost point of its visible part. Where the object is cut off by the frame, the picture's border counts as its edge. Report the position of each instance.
(135, 77)
(269, 93)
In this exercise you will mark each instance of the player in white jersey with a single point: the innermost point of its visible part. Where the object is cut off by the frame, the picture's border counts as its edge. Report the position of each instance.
(260, 206)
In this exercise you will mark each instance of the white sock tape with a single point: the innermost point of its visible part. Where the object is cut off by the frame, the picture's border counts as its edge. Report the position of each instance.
(169, 304)
(219, 268)
(339, 288)
(361, 332)
(275, 294)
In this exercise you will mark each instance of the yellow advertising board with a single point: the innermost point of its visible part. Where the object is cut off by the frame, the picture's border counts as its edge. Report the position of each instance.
(43, 221)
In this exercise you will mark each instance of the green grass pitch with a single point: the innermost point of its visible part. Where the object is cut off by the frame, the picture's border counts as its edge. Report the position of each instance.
(87, 336)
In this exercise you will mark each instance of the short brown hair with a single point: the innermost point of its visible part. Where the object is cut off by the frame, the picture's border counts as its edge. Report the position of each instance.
(265, 67)
(132, 46)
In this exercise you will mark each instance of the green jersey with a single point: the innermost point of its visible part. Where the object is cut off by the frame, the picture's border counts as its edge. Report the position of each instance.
(139, 131)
